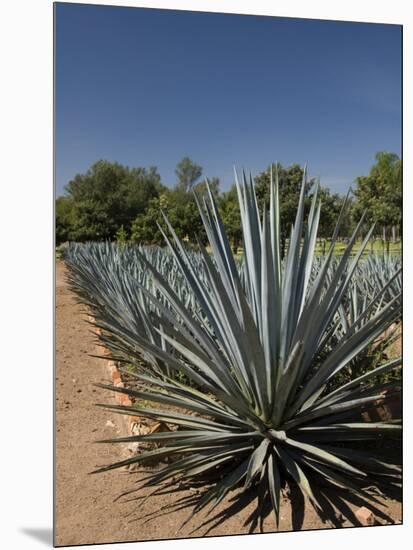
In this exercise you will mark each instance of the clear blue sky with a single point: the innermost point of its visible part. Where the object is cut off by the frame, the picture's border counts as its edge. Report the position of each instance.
(146, 87)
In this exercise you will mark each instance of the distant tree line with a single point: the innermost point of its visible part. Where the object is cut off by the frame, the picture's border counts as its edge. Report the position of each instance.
(114, 202)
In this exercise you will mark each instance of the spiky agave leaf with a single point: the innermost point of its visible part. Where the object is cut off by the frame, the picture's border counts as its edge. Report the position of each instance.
(258, 362)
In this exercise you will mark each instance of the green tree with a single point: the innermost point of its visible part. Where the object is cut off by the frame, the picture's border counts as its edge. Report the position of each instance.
(290, 180)
(231, 217)
(331, 205)
(184, 216)
(180, 209)
(121, 236)
(108, 196)
(64, 219)
(144, 229)
(187, 173)
(380, 194)
(201, 188)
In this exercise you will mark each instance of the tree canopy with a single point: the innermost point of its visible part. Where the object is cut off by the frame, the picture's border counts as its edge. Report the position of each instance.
(114, 202)
(231, 216)
(380, 193)
(105, 198)
(187, 172)
(289, 180)
(180, 209)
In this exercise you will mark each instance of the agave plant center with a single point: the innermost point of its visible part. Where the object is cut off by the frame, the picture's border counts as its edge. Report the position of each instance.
(276, 435)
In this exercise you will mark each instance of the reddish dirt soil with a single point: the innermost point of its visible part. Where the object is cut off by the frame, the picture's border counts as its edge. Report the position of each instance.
(86, 511)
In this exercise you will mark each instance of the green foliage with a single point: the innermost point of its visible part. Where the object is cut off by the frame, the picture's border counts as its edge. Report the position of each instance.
(380, 193)
(144, 227)
(64, 219)
(289, 181)
(259, 348)
(213, 184)
(332, 204)
(181, 209)
(121, 235)
(231, 216)
(187, 173)
(178, 204)
(108, 196)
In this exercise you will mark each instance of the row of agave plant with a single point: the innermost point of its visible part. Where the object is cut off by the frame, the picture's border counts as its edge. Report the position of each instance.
(102, 274)
(265, 360)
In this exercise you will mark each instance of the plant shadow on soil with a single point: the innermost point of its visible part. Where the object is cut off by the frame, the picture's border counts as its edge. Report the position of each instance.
(339, 506)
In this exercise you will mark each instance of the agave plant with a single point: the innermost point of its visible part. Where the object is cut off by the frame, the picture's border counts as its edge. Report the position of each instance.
(258, 411)
(373, 275)
(104, 275)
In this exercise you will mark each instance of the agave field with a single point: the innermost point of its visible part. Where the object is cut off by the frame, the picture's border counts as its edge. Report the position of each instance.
(264, 369)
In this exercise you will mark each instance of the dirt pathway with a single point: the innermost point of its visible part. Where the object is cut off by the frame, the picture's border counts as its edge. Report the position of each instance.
(85, 509)
(85, 512)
